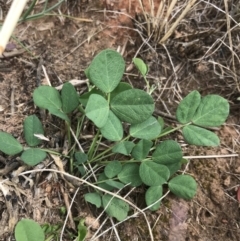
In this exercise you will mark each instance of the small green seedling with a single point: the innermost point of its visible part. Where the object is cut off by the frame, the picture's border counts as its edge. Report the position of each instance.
(124, 121)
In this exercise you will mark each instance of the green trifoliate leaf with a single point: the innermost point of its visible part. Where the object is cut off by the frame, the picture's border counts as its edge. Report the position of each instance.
(167, 152)
(198, 136)
(58, 113)
(153, 174)
(102, 179)
(113, 129)
(141, 149)
(188, 106)
(183, 186)
(29, 230)
(47, 97)
(133, 106)
(70, 98)
(174, 167)
(123, 147)
(106, 70)
(152, 195)
(122, 86)
(9, 145)
(112, 169)
(32, 125)
(115, 207)
(97, 110)
(161, 122)
(33, 156)
(85, 97)
(115, 184)
(130, 174)
(93, 198)
(141, 66)
(212, 111)
(149, 129)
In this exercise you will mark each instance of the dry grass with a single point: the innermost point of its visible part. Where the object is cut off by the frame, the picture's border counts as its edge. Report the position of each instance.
(194, 39)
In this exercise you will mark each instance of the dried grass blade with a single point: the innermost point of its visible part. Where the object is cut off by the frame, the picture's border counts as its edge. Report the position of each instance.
(173, 27)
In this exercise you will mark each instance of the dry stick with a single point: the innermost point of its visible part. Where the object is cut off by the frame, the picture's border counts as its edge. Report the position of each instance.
(158, 17)
(80, 180)
(69, 214)
(169, 11)
(10, 23)
(230, 43)
(210, 156)
(172, 28)
(145, 16)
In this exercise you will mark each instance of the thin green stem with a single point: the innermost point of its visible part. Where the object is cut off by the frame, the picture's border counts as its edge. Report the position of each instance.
(147, 84)
(41, 14)
(172, 130)
(29, 10)
(102, 154)
(93, 146)
(54, 152)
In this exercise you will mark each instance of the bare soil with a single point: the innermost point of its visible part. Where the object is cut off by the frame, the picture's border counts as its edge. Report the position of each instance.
(192, 58)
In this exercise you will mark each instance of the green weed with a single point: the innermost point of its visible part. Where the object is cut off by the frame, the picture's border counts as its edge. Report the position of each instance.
(123, 118)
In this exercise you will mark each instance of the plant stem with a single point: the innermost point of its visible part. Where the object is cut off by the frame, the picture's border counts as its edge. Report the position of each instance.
(93, 146)
(53, 152)
(102, 154)
(172, 130)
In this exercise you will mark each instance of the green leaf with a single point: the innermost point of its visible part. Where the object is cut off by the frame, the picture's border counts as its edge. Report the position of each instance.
(32, 125)
(123, 147)
(69, 98)
(102, 182)
(112, 169)
(133, 106)
(85, 97)
(47, 97)
(113, 129)
(130, 175)
(28, 230)
(152, 195)
(183, 186)
(122, 86)
(149, 129)
(141, 149)
(106, 70)
(115, 207)
(82, 231)
(115, 184)
(212, 111)
(9, 145)
(161, 122)
(97, 110)
(141, 66)
(80, 157)
(174, 167)
(93, 198)
(167, 152)
(198, 136)
(188, 106)
(33, 156)
(58, 113)
(153, 174)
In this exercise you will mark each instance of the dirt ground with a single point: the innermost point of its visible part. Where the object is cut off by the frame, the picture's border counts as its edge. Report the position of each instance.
(196, 56)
